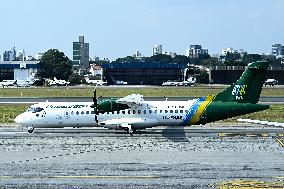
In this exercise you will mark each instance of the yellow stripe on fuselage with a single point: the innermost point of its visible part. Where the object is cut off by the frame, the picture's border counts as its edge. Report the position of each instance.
(195, 119)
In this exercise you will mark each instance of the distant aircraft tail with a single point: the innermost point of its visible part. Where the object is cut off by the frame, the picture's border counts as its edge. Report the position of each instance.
(248, 88)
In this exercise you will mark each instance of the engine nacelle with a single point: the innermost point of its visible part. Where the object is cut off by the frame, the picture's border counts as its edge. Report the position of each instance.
(110, 105)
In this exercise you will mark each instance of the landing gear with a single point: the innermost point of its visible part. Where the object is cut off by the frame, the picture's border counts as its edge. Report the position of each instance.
(31, 129)
(131, 131)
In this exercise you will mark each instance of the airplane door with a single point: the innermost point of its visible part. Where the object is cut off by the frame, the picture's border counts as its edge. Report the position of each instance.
(67, 114)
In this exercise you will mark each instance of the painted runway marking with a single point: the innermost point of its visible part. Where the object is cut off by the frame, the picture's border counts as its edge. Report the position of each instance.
(279, 141)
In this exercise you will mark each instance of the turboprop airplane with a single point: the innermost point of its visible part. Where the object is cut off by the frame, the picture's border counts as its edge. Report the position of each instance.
(132, 113)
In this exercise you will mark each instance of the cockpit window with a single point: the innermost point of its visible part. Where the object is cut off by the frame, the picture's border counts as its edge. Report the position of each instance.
(34, 109)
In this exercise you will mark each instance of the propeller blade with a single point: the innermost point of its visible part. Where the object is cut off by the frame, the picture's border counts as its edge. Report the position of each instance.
(95, 100)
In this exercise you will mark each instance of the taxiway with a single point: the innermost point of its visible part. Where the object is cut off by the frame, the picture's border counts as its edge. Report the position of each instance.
(166, 157)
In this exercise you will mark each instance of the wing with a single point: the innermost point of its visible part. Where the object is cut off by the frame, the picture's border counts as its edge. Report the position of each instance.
(128, 122)
(132, 100)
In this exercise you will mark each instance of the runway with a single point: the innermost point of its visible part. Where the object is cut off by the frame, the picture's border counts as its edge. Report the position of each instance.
(23, 100)
(164, 157)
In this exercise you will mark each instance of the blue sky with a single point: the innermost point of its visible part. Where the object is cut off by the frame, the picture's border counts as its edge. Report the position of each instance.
(117, 28)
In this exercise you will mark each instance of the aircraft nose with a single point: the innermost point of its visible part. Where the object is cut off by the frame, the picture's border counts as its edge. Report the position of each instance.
(21, 119)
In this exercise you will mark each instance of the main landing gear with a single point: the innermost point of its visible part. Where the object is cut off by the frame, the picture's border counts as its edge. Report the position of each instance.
(31, 129)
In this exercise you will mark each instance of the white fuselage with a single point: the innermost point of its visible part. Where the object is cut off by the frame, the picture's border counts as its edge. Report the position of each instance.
(81, 114)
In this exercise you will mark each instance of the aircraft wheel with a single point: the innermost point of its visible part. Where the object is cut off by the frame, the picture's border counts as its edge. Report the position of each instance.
(31, 129)
(129, 131)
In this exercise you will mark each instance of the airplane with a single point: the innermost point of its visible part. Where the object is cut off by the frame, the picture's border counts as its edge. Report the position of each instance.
(96, 82)
(58, 82)
(132, 113)
(8, 83)
(26, 83)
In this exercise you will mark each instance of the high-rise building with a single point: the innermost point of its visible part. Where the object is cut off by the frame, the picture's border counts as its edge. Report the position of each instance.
(277, 50)
(80, 54)
(195, 50)
(157, 49)
(21, 55)
(8, 56)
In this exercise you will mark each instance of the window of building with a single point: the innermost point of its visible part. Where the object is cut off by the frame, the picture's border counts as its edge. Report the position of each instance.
(134, 112)
(181, 111)
(82, 112)
(145, 111)
(139, 111)
(166, 111)
(129, 112)
(87, 112)
(150, 111)
(186, 111)
(176, 111)
(92, 112)
(72, 113)
(77, 112)
(171, 111)
(123, 112)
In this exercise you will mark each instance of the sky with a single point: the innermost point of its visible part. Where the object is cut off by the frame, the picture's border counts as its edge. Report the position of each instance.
(118, 28)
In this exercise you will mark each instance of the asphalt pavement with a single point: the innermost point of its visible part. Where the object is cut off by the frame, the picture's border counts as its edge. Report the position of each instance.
(164, 157)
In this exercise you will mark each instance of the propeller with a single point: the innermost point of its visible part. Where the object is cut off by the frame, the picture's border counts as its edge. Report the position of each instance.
(95, 101)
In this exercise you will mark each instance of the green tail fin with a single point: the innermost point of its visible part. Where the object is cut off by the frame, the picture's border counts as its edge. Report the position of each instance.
(248, 88)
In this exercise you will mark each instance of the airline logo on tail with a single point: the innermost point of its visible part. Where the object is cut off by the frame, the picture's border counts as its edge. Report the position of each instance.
(239, 91)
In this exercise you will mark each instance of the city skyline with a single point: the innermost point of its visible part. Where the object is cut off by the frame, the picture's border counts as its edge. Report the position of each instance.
(117, 29)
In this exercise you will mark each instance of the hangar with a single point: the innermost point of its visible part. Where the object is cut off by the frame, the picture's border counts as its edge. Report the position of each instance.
(18, 70)
(144, 72)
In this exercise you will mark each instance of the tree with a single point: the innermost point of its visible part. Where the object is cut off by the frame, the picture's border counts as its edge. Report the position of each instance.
(248, 58)
(76, 79)
(55, 64)
(181, 59)
(161, 58)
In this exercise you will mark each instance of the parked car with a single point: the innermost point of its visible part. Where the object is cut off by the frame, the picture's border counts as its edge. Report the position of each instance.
(271, 82)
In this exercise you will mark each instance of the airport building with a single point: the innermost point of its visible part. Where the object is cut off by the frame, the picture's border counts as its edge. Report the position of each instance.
(195, 50)
(277, 50)
(80, 54)
(146, 73)
(18, 70)
(230, 74)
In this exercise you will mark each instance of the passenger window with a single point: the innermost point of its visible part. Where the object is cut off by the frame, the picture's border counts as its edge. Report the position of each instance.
(139, 111)
(176, 111)
(171, 111)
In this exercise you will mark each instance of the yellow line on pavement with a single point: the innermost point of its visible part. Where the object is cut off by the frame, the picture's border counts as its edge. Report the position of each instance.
(279, 141)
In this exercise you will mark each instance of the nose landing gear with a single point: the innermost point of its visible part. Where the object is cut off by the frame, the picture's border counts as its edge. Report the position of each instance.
(31, 129)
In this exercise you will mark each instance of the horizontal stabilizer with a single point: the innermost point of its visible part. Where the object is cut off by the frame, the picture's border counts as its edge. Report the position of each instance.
(268, 123)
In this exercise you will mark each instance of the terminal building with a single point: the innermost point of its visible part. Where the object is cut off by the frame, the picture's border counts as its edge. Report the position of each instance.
(18, 70)
(146, 73)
